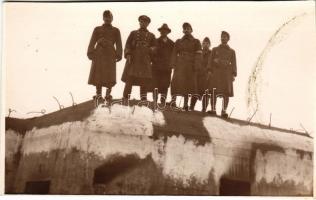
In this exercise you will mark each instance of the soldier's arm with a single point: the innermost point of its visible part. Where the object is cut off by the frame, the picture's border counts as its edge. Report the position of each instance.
(118, 45)
(128, 45)
(198, 55)
(234, 65)
(153, 44)
(174, 54)
(91, 49)
(210, 61)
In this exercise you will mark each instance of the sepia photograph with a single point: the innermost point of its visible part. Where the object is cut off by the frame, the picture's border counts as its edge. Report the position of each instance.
(158, 98)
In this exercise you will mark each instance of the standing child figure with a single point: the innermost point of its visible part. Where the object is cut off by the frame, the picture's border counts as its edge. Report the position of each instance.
(105, 49)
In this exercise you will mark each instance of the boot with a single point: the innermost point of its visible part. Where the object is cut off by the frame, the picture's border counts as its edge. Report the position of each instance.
(224, 114)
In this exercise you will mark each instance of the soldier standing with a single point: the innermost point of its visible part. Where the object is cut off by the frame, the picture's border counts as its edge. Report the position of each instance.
(202, 77)
(185, 60)
(138, 52)
(161, 63)
(104, 56)
(223, 70)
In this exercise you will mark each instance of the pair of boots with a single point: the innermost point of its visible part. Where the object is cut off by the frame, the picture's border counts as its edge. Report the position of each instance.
(108, 97)
(223, 113)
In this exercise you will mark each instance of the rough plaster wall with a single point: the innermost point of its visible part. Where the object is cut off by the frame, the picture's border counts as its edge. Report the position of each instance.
(12, 142)
(123, 131)
(185, 161)
(120, 132)
(278, 168)
(271, 166)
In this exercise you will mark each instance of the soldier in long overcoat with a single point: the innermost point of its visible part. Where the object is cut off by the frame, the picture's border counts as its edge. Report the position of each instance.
(139, 49)
(202, 77)
(186, 58)
(223, 70)
(162, 63)
(105, 49)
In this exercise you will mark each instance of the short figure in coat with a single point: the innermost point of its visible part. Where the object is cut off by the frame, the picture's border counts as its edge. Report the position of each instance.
(186, 58)
(105, 49)
(161, 67)
(223, 70)
(202, 77)
(139, 49)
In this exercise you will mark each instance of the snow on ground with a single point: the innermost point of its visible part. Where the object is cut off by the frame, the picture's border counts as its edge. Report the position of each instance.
(221, 130)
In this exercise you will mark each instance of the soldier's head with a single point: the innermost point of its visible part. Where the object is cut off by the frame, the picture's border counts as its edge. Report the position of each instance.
(206, 43)
(225, 37)
(164, 30)
(187, 28)
(107, 17)
(143, 21)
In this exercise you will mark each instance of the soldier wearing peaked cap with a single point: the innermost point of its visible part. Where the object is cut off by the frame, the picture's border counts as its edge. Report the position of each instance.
(105, 49)
(138, 52)
(186, 58)
(162, 63)
(223, 70)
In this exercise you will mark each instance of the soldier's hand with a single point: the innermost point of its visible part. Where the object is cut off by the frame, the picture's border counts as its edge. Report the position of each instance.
(233, 79)
(216, 60)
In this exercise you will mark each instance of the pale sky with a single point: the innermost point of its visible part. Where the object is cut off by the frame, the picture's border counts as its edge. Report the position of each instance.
(45, 45)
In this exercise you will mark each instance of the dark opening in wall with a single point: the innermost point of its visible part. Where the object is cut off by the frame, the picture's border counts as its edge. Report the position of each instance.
(114, 167)
(37, 187)
(230, 187)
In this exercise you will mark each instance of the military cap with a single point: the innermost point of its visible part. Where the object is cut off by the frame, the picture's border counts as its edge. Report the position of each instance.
(144, 18)
(107, 13)
(186, 24)
(225, 33)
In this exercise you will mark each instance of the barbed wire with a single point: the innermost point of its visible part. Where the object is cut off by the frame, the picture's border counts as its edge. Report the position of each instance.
(250, 118)
(43, 111)
(11, 111)
(73, 101)
(60, 106)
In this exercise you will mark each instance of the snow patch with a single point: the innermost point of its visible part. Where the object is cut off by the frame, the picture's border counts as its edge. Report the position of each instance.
(277, 168)
(273, 166)
(184, 160)
(12, 142)
(118, 119)
(235, 135)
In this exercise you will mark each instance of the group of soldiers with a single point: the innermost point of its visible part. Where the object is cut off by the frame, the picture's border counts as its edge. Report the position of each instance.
(198, 72)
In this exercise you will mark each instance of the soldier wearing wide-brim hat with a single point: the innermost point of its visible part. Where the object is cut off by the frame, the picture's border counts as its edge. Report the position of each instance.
(164, 27)
(138, 52)
(162, 63)
(223, 70)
